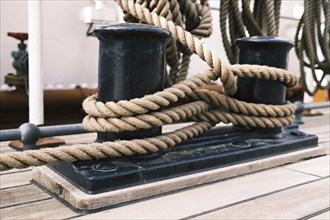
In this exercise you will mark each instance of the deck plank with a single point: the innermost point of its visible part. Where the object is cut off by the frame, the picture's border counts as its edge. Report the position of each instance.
(4, 148)
(323, 137)
(325, 216)
(317, 130)
(47, 209)
(290, 204)
(20, 195)
(314, 122)
(15, 171)
(325, 146)
(318, 166)
(197, 200)
(15, 179)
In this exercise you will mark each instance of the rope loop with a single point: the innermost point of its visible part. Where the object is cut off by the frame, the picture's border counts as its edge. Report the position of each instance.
(188, 21)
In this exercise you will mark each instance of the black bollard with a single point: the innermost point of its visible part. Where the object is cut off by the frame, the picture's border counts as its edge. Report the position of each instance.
(267, 51)
(131, 65)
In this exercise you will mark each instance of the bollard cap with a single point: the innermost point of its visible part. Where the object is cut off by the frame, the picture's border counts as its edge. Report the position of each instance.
(128, 30)
(264, 40)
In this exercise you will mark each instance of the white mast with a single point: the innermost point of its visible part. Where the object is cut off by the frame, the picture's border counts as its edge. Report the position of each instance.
(36, 96)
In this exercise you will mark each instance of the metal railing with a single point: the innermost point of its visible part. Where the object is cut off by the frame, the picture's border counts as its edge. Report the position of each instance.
(29, 133)
(300, 107)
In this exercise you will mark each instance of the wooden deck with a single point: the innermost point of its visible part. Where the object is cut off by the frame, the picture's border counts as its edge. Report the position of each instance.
(294, 191)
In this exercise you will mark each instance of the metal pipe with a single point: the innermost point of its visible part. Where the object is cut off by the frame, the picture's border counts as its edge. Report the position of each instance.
(308, 106)
(29, 133)
(300, 107)
(10, 134)
(58, 130)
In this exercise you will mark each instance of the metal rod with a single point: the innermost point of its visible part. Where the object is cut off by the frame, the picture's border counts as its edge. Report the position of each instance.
(300, 107)
(316, 105)
(39, 132)
(68, 129)
(58, 130)
(10, 134)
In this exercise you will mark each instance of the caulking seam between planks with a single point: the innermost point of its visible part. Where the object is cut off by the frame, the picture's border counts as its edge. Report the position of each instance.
(254, 198)
(299, 171)
(315, 214)
(16, 171)
(10, 187)
(24, 203)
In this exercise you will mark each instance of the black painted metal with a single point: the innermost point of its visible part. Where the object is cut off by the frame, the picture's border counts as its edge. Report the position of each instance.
(29, 133)
(219, 147)
(131, 65)
(267, 51)
(10, 134)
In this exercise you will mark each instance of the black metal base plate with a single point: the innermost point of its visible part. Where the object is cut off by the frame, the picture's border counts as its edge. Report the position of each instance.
(217, 148)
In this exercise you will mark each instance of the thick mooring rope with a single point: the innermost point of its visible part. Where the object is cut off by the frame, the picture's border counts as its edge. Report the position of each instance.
(309, 36)
(205, 107)
(262, 21)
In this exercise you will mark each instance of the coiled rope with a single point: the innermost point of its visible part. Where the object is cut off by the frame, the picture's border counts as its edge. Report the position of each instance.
(313, 32)
(205, 107)
(310, 35)
(262, 21)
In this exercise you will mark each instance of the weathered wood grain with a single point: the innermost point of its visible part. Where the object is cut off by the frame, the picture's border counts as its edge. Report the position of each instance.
(289, 204)
(14, 171)
(200, 199)
(317, 130)
(15, 179)
(318, 166)
(4, 148)
(20, 195)
(47, 209)
(325, 146)
(323, 216)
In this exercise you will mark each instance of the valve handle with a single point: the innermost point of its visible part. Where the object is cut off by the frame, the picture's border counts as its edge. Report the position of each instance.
(19, 35)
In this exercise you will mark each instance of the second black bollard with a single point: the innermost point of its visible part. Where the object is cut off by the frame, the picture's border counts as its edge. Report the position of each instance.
(267, 51)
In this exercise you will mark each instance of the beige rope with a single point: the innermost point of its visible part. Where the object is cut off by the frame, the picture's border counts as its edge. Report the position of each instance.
(205, 107)
(262, 21)
(99, 150)
(309, 37)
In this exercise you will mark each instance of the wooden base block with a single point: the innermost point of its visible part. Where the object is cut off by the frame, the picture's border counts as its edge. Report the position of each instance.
(59, 186)
(42, 142)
